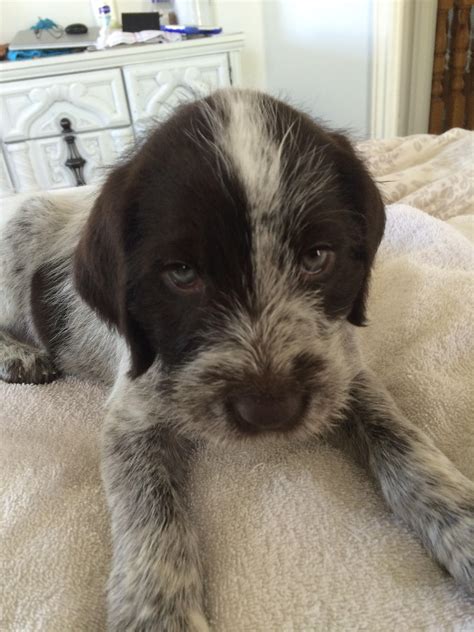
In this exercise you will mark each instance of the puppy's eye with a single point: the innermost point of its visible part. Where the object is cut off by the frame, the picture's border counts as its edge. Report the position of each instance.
(183, 277)
(317, 262)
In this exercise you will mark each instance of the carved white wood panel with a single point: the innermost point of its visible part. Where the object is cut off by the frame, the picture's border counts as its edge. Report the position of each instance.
(89, 90)
(6, 185)
(90, 100)
(40, 164)
(155, 89)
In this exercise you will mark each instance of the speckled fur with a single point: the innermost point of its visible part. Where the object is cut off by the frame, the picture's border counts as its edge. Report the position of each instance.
(158, 412)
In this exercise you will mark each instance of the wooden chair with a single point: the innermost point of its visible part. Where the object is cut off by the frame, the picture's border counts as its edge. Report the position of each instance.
(452, 96)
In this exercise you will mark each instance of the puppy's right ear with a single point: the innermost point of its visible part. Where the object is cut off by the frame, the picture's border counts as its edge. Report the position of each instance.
(101, 264)
(369, 207)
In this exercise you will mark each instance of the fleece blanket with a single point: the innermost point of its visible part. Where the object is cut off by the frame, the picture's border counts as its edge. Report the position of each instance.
(293, 537)
(432, 173)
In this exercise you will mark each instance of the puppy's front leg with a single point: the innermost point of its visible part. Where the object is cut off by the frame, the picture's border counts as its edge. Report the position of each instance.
(155, 583)
(418, 482)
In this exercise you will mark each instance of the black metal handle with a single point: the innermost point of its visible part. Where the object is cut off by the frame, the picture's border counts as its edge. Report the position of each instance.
(75, 161)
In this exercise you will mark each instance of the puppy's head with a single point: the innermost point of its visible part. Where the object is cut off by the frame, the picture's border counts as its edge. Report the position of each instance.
(234, 248)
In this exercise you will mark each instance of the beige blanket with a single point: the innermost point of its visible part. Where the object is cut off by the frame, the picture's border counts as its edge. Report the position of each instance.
(433, 173)
(294, 538)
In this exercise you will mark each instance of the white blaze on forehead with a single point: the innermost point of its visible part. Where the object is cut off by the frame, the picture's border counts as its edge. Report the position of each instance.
(278, 179)
(247, 142)
(244, 139)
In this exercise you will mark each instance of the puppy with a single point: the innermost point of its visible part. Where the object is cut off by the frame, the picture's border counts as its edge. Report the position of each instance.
(217, 282)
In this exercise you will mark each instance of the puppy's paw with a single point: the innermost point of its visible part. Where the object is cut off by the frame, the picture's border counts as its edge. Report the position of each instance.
(148, 621)
(458, 544)
(27, 366)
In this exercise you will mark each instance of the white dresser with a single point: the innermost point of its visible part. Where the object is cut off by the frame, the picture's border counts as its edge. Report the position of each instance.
(62, 119)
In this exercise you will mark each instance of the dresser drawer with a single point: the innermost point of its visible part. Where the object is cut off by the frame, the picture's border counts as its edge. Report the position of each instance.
(91, 100)
(40, 164)
(155, 89)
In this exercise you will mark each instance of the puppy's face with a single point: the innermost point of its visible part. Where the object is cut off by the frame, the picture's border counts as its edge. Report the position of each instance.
(234, 249)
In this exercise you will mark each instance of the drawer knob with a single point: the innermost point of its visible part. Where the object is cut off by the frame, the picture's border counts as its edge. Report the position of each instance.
(75, 161)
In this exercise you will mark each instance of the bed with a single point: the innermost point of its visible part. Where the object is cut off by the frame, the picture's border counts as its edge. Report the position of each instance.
(294, 538)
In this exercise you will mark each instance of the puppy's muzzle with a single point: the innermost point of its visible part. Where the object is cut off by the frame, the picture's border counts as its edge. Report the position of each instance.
(254, 412)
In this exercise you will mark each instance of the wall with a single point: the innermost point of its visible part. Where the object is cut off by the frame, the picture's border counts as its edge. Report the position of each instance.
(318, 52)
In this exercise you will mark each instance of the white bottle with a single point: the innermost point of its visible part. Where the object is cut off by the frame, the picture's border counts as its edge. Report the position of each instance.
(97, 4)
(105, 19)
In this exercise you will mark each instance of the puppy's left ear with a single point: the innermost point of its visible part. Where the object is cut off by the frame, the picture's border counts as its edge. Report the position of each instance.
(360, 188)
(102, 266)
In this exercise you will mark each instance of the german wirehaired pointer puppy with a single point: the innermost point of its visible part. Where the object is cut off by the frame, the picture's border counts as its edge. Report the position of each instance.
(217, 282)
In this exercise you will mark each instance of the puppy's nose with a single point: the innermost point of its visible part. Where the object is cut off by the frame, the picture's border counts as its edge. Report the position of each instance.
(257, 412)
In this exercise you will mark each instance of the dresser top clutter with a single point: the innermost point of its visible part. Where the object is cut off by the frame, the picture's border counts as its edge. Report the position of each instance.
(119, 56)
(64, 118)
